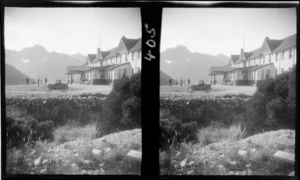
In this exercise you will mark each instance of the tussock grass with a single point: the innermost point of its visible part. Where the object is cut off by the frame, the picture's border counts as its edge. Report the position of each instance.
(72, 132)
(212, 134)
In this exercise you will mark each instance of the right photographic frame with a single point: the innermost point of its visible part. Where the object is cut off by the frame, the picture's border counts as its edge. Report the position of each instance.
(228, 91)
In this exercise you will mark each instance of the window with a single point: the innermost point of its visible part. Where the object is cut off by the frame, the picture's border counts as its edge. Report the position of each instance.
(276, 56)
(262, 74)
(290, 53)
(270, 58)
(282, 57)
(132, 55)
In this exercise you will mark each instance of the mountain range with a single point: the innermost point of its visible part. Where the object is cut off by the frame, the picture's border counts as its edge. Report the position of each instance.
(180, 63)
(37, 62)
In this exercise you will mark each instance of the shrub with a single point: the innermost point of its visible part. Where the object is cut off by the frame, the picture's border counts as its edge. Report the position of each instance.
(21, 131)
(122, 108)
(273, 105)
(173, 131)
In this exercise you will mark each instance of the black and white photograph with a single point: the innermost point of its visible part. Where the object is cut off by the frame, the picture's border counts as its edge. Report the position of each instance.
(72, 90)
(228, 91)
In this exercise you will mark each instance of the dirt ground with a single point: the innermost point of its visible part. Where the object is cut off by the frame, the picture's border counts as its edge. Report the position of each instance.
(217, 90)
(74, 89)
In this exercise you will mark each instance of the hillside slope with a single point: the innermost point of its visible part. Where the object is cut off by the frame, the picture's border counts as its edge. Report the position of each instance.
(164, 78)
(13, 76)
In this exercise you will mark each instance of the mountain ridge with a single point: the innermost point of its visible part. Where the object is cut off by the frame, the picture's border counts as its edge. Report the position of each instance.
(37, 62)
(180, 63)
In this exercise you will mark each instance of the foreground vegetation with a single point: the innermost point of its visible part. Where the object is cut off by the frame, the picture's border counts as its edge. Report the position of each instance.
(34, 125)
(187, 123)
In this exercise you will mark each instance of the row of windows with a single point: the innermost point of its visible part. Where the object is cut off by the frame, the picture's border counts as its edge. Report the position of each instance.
(268, 58)
(120, 57)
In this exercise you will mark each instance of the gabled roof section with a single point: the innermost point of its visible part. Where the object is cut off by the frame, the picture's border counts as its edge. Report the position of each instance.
(287, 42)
(92, 56)
(272, 43)
(248, 54)
(129, 43)
(121, 48)
(233, 58)
(112, 53)
(137, 46)
(255, 53)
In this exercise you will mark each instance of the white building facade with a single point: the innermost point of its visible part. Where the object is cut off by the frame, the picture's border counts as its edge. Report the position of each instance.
(273, 58)
(107, 66)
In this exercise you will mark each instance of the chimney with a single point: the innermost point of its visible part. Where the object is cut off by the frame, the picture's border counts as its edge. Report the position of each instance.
(98, 53)
(242, 52)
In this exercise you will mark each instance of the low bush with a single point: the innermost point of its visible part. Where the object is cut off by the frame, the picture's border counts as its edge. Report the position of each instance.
(173, 131)
(122, 108)
(274, 103)
(21, 131)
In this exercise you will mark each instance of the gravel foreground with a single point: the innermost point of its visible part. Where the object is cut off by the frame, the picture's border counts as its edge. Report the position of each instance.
(223, 158)
(105, 155)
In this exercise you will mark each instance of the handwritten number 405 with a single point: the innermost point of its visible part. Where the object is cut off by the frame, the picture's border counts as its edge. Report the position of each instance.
(150, 42)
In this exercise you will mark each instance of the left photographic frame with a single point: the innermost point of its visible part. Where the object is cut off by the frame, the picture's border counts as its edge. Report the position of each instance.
(72, 91)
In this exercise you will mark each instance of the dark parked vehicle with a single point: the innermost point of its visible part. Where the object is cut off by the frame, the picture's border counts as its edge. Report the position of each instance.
(57, 86)
(201, 86)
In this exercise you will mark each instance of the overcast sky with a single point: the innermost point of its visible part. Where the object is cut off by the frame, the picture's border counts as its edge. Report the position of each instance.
(221, 30)
(70, 30)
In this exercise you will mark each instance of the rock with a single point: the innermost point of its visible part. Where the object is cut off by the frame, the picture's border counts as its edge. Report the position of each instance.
(248, 165)
(74, 165)
(243, 153)
(45, 161)
(221, 167)
(96, 152)
(43, 171)
(38, 161)
(182, 164)
(86, 162)
(232, 163)
(32, 152)
(102, 164)
(190, 172)
(191, 163)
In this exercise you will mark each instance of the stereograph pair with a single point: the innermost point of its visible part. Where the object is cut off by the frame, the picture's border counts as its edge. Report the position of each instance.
(80, 96)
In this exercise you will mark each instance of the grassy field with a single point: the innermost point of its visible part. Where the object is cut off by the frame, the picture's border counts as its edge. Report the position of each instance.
(217, 90)
(38, 91)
